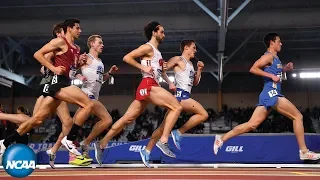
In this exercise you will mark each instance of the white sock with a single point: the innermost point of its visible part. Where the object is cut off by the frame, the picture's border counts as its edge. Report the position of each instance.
(147, 151)
(179, 132)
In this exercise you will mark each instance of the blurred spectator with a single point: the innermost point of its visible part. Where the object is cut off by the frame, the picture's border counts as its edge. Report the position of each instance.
(148, 121)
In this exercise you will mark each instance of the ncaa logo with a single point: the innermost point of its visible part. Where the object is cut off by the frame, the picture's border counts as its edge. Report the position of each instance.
(19, 160)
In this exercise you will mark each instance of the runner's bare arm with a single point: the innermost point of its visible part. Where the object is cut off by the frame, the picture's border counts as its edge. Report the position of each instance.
(172, 62)
(107, 75)
(53, 45)
(48, 56)
(165, 77)
(169, 65)
(260, 63)
(197, 77)
(139, 52)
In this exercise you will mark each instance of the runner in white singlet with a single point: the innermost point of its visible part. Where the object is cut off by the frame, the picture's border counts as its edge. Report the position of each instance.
(93, 76)
(156, 63)
(149, 90)
(185, 78)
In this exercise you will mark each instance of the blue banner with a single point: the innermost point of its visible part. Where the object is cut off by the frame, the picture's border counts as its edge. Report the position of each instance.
(199, 149)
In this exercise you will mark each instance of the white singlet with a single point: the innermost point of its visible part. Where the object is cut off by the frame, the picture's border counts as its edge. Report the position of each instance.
(156, 62)
(184, 79)
(94, 75)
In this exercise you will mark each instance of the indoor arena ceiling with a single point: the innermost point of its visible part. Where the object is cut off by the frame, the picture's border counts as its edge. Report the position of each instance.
(26, 26)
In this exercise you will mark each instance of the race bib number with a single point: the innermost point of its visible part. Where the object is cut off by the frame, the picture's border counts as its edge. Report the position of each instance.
(273, 93)
(54, 79)
(46, 88)
(178, 93)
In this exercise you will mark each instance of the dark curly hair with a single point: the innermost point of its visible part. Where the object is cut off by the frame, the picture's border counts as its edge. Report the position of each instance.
(153, 26)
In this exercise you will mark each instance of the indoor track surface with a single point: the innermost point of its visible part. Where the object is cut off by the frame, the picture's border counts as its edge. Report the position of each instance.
(171, 173)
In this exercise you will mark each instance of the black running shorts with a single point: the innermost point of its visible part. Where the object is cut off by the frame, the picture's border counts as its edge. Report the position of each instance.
(57, 83)
(42, 90)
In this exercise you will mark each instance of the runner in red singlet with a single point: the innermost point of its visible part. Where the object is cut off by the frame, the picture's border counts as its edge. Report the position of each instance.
(67, 56)
(149, 90)
(41, 92)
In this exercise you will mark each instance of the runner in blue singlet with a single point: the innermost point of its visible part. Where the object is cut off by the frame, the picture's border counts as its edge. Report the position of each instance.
(270, 68)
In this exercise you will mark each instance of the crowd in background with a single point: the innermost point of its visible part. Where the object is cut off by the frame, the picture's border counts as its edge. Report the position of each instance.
(149, 120)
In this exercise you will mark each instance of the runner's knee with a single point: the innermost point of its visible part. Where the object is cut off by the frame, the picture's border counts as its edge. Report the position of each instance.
(106, 122)
(204, 115)
(39, 117)
(298, 117)
(89, 105)
(252, 126)
(129, 119)
(176, 107)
